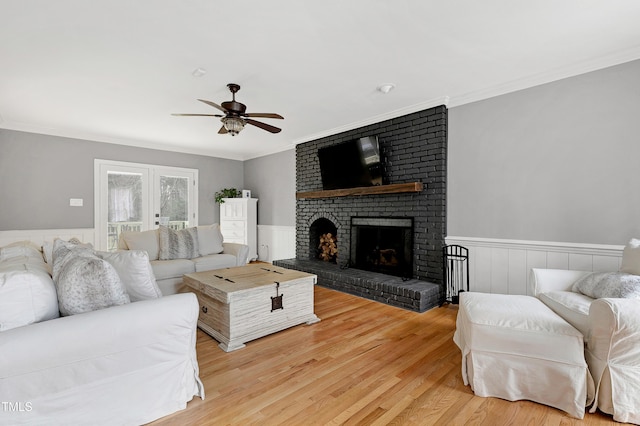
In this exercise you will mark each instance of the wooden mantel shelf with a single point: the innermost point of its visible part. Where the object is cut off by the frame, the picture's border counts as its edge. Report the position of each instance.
(364, 190)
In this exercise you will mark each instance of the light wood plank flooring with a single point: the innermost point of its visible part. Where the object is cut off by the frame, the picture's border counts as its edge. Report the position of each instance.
(364, 363)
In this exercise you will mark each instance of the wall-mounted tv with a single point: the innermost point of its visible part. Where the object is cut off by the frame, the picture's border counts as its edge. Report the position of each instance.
(351, 164)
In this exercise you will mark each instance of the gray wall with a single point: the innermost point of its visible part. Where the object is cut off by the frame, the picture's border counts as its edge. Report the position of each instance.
(272, 179)
(557, 162)
(39, 173)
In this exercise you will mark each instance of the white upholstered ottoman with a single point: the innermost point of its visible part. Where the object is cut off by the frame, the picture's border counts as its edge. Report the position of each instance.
(515, 347)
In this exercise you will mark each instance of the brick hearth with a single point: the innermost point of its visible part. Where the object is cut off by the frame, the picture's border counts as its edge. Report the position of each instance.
(412, 294)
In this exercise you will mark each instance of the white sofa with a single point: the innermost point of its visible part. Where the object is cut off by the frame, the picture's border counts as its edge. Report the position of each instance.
(212, 253)
(611, 330)
(125, 365)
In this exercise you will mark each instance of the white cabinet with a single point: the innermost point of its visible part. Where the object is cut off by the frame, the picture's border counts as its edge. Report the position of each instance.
(239, 223)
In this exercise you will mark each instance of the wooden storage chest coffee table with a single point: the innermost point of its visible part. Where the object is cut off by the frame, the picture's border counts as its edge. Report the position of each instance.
(247, 302)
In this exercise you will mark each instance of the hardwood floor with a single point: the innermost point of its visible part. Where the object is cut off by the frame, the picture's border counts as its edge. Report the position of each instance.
(364, 363)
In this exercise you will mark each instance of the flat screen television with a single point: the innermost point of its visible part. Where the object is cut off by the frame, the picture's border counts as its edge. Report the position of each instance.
(351, 164)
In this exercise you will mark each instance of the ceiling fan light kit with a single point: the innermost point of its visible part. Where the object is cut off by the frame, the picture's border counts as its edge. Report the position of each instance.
(233, 121)
(233, 125)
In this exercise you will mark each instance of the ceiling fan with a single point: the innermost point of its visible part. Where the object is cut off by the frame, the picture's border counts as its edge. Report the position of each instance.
(235, 117)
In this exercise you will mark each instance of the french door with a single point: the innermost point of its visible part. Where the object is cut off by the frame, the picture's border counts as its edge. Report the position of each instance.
(139, 197)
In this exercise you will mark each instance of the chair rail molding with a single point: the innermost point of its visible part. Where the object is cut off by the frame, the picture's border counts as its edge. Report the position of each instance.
(503, 266)
(39, 236)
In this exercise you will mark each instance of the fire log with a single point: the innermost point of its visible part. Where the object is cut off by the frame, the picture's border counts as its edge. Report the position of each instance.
(328, 247)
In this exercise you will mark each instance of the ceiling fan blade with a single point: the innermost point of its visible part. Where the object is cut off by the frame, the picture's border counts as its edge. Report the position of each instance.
(263, 126)
(198, 115)
(264, 115)
(222, 130)
(213, 104)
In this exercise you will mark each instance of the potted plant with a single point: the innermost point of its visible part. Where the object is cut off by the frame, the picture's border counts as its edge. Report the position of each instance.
(226, 193)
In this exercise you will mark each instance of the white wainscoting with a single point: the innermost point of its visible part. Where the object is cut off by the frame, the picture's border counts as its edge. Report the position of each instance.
(502, 266)
(276, 242)
(39, 236)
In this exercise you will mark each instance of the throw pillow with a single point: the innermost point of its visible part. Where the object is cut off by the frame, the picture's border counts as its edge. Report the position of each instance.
(18, 249)
(27, 292)
(609, 284)
(631, 257)
(209, 239)
(182, 244)
(145, 240)
(47, 248)
(83, 281)
(26, 297)
(135, 271)
(61, 254)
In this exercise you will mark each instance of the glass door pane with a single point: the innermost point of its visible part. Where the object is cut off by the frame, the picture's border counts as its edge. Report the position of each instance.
(174, 202)
(124, 205)
(122, 201)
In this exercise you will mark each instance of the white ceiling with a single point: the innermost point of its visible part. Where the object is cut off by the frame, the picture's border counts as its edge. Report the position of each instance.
(115, 70)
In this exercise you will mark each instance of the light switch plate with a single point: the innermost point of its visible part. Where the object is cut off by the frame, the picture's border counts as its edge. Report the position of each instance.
(76, 202)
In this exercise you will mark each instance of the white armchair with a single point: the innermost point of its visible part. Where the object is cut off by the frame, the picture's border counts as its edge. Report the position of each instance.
(611, 329)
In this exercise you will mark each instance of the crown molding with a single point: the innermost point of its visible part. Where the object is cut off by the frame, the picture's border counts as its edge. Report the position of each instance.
(573, 70)
(73, 134)
(277, 150)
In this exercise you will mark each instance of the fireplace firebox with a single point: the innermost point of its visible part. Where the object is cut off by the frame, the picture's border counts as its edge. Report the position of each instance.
(320, 231)
(382, 244)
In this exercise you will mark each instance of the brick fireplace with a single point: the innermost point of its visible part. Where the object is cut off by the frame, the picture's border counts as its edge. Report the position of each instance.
(413, 149)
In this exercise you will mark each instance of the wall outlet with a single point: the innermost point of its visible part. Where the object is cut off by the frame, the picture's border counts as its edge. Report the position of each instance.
(76, 202)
